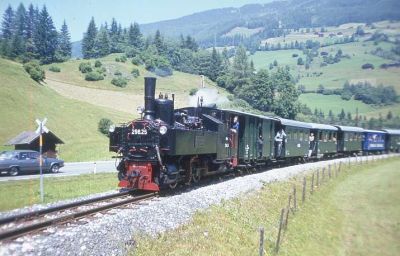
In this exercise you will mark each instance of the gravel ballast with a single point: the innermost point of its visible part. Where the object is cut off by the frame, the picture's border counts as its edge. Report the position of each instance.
(110, 233)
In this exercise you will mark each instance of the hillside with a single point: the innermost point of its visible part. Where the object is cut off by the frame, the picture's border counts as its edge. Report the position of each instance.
(70, 82)
(204, 26)
(334, 75)
(75, 122)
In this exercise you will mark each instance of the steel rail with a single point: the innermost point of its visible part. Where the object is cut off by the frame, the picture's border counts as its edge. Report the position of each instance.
(10, 234)
(38, 213)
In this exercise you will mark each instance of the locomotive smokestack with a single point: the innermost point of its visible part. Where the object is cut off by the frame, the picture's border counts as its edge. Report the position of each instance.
(149, 92)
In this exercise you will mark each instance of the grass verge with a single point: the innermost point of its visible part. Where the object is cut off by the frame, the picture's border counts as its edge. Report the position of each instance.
(353, 214)
(16, 194)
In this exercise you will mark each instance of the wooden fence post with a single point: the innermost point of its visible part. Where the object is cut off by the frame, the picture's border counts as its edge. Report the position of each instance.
(278, 239)
(317, 177)
(261, 249)
(303, 198)
(349, 160)
(287, 212)
(329, 171)
(294, 198)
(312, 183)
(323, 175)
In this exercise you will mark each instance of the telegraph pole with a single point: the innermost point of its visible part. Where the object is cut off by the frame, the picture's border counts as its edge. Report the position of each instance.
(41, 129)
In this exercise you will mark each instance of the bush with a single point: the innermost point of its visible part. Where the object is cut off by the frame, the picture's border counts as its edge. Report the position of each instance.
(101, 70)
(193, 91)
(136, 61)
(94, 76)
(295, 55)
(117, 59)
(54, 69)
(323, 64)
(123, 58)
(135, 72)
(119, 81)
(367, 66)
(117, 73)
(35, 71)
(104, 125)
(97, 64)
(300, 61)
(85, 67)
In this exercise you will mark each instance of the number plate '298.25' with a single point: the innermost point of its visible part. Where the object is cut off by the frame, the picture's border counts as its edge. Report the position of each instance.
(139, 131)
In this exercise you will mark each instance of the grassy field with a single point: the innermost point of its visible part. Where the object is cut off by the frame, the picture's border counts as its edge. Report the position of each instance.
(26, 192)
(354, 214)
(179, 82)
(335, 75)
(334, 103)
(75, 122)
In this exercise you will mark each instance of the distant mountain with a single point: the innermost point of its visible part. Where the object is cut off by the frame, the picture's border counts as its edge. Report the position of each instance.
(77, 49)
(208, 25)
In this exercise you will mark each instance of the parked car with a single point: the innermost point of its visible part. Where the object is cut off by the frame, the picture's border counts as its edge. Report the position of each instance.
(23, 161)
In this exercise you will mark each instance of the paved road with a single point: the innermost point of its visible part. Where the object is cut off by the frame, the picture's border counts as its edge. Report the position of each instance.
(70, 169)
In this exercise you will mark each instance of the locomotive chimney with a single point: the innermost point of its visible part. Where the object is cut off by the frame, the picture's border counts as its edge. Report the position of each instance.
(149, 92)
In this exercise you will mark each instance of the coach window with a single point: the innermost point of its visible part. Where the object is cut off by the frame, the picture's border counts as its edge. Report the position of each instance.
(320, 136)
(306, 134)
(330, 136)
(300, 135)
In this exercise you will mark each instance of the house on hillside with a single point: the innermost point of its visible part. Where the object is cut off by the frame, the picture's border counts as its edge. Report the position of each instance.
(29, 140)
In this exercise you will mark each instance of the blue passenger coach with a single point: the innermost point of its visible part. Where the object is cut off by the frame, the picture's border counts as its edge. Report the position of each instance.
(374, 140)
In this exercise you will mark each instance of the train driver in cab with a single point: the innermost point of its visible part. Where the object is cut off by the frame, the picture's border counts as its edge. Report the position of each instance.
(235, 124)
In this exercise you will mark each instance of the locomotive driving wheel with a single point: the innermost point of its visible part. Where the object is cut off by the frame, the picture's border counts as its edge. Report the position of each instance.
(173, 185)
(195, 171)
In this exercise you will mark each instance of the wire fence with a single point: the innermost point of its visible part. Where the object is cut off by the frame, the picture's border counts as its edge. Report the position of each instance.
(311, 183)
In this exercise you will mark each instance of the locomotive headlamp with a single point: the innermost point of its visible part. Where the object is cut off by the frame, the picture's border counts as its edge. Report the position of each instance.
(163, 129)
(140, 110)
(111, 128)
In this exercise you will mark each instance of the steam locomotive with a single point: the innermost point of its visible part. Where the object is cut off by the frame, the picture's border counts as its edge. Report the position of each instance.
(167, 146)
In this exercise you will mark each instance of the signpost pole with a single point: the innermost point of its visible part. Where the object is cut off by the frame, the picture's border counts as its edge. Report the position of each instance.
(41, 129)
(41, 165)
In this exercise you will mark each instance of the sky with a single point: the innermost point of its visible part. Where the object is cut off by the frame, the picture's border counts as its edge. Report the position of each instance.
(77, 13)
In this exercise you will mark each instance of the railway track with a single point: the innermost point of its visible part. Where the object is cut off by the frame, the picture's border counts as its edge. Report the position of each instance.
(32, 222)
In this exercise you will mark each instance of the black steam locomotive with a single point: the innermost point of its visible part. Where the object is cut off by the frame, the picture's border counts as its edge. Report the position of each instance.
(169, 146)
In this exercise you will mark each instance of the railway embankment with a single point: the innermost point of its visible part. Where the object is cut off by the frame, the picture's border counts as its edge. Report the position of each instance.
(351, 210)
(220, 218)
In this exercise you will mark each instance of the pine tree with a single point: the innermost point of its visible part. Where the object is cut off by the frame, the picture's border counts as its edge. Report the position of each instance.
(7, 27)
(102, 42)
(114, 38)
(64, 40)
(159, 43)
(7, 31)
(18, 41)
(260, 92)
(88, 42)
(342, 115)
(134, 36)
(216, 65)
(240, 72)
(31, 20)
(286, 104)
(46, 37)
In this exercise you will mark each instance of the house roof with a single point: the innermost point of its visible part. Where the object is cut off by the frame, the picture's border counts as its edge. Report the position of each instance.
(27, 137)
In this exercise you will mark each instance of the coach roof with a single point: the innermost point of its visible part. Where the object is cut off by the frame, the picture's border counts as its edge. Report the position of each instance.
(349, 128)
